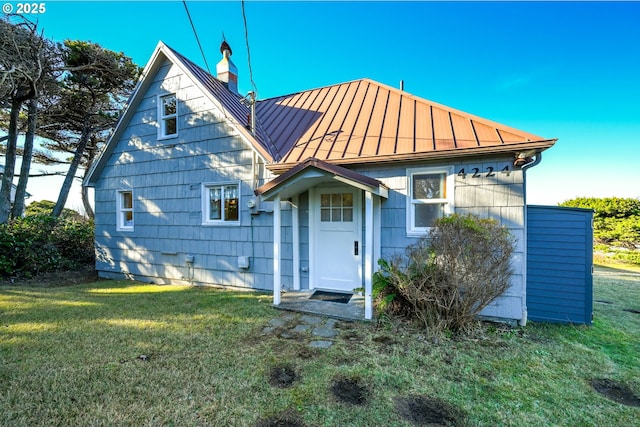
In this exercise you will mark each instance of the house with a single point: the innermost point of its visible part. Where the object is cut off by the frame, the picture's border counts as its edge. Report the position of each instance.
(14, 188)
(200, 184)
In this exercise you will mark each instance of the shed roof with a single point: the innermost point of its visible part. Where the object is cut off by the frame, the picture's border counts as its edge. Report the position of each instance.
(365, 121)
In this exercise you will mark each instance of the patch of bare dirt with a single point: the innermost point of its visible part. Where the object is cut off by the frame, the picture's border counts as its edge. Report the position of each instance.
(307, 353)
(427, 411)
(615, 391)
(384, 340)
(288, 418)
(349, 391)
(282, 376)
(85, 274)
(352, 337)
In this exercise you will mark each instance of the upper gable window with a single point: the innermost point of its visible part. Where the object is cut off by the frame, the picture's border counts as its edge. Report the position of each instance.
(430, 197)
(168, 116)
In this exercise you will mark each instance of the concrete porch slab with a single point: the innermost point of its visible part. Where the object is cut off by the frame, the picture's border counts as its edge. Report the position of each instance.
(299, 301)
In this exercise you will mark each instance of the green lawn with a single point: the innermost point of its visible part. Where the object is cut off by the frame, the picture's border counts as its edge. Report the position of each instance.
(74, 356)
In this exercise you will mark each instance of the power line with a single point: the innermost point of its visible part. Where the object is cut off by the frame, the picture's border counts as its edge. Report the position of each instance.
(195, 33)
(246, 39)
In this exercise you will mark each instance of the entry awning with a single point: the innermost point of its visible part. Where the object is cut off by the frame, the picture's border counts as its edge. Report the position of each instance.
(312, 172)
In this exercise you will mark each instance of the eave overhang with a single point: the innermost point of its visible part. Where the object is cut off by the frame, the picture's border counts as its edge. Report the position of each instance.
(513, 148)
(312, 172)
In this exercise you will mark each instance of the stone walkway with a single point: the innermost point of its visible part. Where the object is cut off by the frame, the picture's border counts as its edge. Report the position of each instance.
(317, 331)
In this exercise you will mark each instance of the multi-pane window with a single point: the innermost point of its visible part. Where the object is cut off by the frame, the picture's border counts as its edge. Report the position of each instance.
(125, 210)
(429, 198)
(336, 207)
(168, 116)
(221, 203)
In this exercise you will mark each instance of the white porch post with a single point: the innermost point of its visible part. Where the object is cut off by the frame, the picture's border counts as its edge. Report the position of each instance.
(368, 255)
(277, 262)
(296, 244)
(377, 231)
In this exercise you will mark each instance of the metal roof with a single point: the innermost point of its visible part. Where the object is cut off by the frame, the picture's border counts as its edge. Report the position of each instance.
(364, 121)
(231, 102)
(356, 122)
(313, 171)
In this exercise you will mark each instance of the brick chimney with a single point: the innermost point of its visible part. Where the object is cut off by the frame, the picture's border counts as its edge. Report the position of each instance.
(226, 69)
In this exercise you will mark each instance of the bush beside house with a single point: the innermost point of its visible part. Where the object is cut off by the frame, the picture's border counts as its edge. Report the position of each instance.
(448, 277)
(40, 243)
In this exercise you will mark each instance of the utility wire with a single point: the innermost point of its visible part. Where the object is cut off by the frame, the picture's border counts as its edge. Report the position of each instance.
(246, 39)
(195, 33)
(271, 148)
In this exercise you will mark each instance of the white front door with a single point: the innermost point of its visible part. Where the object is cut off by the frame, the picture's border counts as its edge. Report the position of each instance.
(336, 238)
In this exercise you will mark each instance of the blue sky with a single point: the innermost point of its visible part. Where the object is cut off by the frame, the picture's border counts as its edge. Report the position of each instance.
(566, 70)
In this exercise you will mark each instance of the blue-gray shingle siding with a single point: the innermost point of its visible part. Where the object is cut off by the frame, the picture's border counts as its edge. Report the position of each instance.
(498, 195)
(166, 177)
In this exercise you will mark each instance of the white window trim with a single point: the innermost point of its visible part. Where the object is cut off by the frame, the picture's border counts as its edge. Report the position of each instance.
(206, 204)
(448, 201)
(162, 117)
(120, 209)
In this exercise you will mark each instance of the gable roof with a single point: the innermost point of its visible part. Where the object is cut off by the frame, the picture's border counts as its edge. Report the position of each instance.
(356, 122)
(231, 105)
(365, 121)
(312, 172)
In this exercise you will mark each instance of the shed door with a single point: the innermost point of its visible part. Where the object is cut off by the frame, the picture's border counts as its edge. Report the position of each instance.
(336, 238)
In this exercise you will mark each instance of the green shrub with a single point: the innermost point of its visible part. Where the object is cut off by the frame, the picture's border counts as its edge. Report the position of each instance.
(447, 278)
(606, 254)
(39, 243)
(45, 207)
(74, 239)
(618, 231)
(616, 221)
(607, 207)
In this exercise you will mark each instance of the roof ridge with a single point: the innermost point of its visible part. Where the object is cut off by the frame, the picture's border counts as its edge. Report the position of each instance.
(226, 98)
(312, 89)
(456, 111)
(184, 58)
(425, 101)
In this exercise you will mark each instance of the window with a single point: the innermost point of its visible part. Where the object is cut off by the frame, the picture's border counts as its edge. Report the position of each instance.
(336, 207)
(221, 203)
(125, 210)
(430, 197)
(168, 113)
